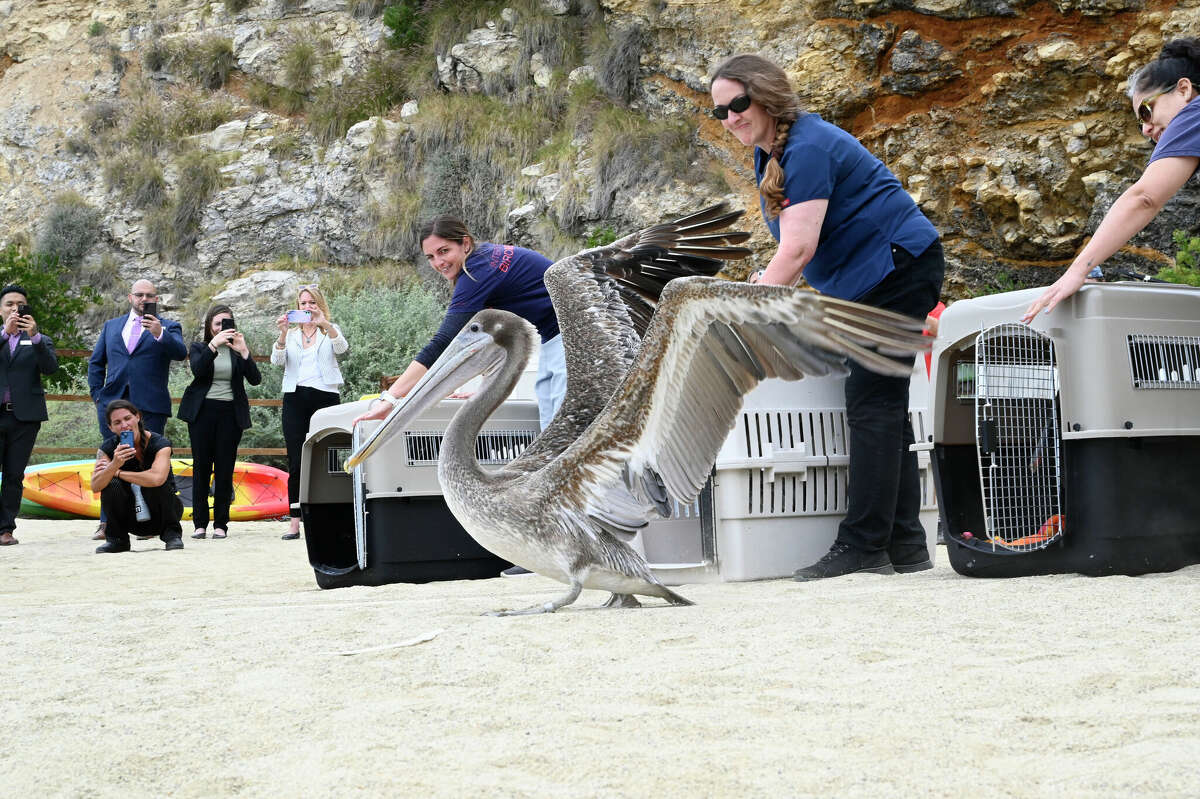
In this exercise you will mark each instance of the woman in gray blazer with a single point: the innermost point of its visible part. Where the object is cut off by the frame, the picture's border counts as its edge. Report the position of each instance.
(308, 350)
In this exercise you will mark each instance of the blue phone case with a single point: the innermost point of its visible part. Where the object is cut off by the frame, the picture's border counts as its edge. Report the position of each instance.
(127, 437)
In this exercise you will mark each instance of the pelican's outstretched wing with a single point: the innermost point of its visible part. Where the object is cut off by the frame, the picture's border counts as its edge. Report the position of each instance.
(604, 297)
(710, 343)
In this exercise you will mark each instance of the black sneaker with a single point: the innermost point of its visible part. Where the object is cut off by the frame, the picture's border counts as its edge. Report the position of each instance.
(515, 571)
(113, 546)
(842, 559)
(910, 559)
(174, 543)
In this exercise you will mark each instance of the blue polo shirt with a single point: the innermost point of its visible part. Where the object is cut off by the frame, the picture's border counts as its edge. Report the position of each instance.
(868, 209)
(1182, 136)
(496, 276)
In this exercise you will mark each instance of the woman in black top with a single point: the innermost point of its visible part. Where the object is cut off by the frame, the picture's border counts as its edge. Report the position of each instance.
(144, 465)
(217, 411)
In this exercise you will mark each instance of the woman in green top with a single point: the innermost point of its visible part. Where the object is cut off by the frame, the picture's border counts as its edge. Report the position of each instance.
(217, 411)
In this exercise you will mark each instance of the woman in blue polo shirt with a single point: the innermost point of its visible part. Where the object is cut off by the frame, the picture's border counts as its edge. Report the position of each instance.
(844, 223)
(1163, 94)
(488, 275)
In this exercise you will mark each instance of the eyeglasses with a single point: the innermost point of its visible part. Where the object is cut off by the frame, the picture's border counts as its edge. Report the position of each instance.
(737, 105)
(310, 286)
(144, 296)
(1146, 109)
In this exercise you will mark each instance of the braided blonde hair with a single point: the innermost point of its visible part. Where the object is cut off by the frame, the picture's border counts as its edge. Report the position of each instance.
(767, 85)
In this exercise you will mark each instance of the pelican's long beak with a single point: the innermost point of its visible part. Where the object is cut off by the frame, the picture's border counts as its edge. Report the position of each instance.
(471, 353)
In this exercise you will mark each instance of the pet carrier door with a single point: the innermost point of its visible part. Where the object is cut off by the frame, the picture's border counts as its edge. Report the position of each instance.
(1016, 418)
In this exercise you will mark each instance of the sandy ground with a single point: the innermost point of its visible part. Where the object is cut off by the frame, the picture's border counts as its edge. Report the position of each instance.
(217, 671)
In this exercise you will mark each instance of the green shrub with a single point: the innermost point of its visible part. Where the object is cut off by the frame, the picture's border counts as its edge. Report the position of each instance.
(156, 56)
(1187, 260)
(96, 29)
(300, 65)
(56, 304)
(138, 178)
(283, 145)
(365, 9)
(192, 112)
(380, 85)
(601, 236)
(206, 63)
(617, 64)
(235, 6)
(199, 177)
(158, 229)
(102, 115)
(146, 125)
(70, 229)
(276, 98)
(405, 22)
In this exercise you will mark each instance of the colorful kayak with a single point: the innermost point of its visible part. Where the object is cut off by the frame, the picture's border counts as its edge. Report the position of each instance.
(259, 492)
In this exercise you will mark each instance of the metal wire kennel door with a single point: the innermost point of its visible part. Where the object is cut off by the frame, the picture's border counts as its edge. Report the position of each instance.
(1016, 419)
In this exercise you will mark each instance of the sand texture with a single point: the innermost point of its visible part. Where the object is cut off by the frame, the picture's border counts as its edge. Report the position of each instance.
(217, 671)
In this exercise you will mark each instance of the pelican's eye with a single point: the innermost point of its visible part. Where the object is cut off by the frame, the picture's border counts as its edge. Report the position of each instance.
(474, 327)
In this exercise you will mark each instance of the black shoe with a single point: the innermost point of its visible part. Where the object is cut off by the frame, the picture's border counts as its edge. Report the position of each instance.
(290, 536)
(174, 543)
(906, 560)
(113, 546)
(842, 559)
(515, 571)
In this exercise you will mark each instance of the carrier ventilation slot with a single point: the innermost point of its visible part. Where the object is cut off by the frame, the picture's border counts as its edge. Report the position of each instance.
(492, 448)
(819, 489)
(1164, 361)
(1016, 415)
(335, 459)
(964, 379)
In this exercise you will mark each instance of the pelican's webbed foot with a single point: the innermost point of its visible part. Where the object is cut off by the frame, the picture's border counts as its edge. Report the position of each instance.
(546, 607)
(622, 601)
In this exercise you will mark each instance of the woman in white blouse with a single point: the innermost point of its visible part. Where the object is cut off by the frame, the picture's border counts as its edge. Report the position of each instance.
(308, 353)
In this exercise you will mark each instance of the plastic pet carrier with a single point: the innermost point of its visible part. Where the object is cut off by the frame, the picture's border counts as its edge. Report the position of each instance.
(1072, 444)
(778, 490)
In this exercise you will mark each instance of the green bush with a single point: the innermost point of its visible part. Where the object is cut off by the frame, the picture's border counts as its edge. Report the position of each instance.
(56, 304)
(405, 21)
(618, 63)
(300, 65)
(71, 228)
(96, 29)
(146, 125)
(1187, 260)
(140, 179)
(365, 9)
(102, 115)
(206, 63)
(199, 177)
(381, 85)
(235, 6)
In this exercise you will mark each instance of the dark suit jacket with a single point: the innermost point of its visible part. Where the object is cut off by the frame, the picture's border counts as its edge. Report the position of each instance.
(201, 359)
(113, 368)
(22, 373)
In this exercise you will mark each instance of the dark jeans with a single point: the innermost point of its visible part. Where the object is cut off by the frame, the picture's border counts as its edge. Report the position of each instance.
(154, 422)
(883, 504)
(215, 436)
(298, 408)
(166, 509)
(16, 445)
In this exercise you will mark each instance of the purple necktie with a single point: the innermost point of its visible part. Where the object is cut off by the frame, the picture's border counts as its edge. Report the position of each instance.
(135, 332)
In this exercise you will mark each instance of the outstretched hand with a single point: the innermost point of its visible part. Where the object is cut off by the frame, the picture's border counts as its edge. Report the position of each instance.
(1062, 288)
(378, 409)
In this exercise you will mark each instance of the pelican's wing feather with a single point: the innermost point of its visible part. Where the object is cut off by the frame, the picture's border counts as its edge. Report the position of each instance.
(709, 344)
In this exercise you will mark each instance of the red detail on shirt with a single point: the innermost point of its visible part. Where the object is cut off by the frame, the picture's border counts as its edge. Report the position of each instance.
(786, 202)
(502, 257)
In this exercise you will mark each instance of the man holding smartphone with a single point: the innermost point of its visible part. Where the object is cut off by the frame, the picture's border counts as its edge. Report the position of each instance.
(25, 355)
(131, 360)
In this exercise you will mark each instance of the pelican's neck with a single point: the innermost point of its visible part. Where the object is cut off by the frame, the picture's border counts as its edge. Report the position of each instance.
(458, 445)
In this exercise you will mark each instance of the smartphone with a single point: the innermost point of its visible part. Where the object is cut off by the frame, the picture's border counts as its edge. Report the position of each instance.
(150, 309)
(127, 437)
(299, 316)
(227, 324)
(24, 310)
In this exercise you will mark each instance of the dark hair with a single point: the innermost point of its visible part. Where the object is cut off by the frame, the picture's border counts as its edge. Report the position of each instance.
(767, 85)
(1179, 58)
(13, 288)
(208, 317)
(124, 404)
(448, 227)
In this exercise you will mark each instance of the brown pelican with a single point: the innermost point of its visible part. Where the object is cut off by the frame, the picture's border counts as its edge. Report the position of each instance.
(567, 512)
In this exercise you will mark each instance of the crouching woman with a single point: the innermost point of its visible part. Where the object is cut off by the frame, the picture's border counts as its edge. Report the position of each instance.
(133, 477)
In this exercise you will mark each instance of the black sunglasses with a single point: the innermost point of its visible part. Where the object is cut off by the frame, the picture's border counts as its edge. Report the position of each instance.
(737, 105)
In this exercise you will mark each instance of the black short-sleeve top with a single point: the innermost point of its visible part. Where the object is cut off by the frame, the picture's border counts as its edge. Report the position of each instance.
(134, 464)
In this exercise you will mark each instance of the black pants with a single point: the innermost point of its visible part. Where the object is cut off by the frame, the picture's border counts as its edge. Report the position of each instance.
(16, 445)
(215, 436)
(298, 408)
(883, 503)
(166, 509)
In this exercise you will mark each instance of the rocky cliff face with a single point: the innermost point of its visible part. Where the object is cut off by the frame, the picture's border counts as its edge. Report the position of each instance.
(1006, 121)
